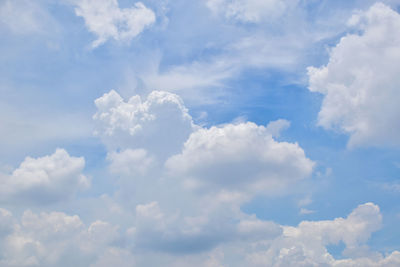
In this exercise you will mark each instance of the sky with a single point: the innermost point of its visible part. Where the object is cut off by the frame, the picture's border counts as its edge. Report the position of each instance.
(199, 133)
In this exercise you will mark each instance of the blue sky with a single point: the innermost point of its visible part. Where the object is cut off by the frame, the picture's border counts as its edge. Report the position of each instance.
(199, 133)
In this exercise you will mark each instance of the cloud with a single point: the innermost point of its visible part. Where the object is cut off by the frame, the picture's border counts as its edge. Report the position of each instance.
(360, 83)
(56, 239)
(182, 234)
(46, 179)
(239, 158)
(115, 257)
(304, 211)
(6, 222)
(306, 244)
(250, 11)
(160, 124)
(25, 17)
(105, 19)
(130, 162)
(233, 161)
(276, 127)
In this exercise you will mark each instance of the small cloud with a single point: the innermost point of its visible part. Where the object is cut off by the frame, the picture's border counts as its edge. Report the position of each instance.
(304, 211)
(106, 20)
(307, 200)
(392, 187)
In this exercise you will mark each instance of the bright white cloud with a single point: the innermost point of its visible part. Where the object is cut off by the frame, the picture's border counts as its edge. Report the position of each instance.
(306, 244)
(250, 10)
(105, 19)
(45, 179)
(160, 125)
(239, 158)
(361, 84)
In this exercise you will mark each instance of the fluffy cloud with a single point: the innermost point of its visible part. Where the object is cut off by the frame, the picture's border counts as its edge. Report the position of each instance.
(240, 158)
(105, 19)
(232, 163)
(55, 239)
(306, 244)
(160, 125)
(58, 239)
(45, 179)
(250, 10)
(360, 84)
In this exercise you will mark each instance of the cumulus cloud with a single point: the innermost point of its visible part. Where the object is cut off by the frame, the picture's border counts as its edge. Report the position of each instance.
(105, 19)
(360, 84)
(56, 239)
(160, 124)
(220, 168)
(306, 244)
(239, 158)
(45, 179)
(250, 10)
(229, 164)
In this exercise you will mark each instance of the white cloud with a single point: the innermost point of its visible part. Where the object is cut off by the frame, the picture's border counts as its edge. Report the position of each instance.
(225, 165)
(130, 162)
(304, 211)
(239, 158)
(45, 179)
(105, 19)
(306, 244)
(56, 239)
(360, 84)
(250, 10)
(160, 125)
(276, 127)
